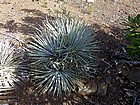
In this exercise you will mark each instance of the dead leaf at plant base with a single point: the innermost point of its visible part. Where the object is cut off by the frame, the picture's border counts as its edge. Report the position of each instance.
(87, 89)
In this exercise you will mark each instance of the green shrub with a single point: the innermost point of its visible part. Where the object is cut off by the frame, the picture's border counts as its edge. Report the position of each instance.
(133, 35)
(63, 51)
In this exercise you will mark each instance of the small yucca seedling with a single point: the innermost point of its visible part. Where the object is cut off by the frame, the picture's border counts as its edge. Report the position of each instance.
(10, 72)
(62, 52)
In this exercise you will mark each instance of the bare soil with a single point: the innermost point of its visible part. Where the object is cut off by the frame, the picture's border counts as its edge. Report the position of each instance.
(18, 18)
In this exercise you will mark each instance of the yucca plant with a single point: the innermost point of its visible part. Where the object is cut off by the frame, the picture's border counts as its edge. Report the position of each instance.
(10, 70)
(133, 35)
(62, 52)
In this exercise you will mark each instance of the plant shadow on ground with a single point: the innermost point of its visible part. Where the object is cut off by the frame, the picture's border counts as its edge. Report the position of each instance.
(111, 39)
(26, 27)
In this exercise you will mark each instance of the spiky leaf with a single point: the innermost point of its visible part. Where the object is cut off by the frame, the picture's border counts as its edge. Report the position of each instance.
(62, 51)
(11, 71)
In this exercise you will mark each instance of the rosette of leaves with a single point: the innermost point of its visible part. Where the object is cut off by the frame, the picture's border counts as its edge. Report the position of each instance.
(10, 70)
(62, 52)
(133, 35)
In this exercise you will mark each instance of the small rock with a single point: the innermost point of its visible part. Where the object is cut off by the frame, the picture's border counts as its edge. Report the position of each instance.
(108, 79)
(89, 1)
(102, 88)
